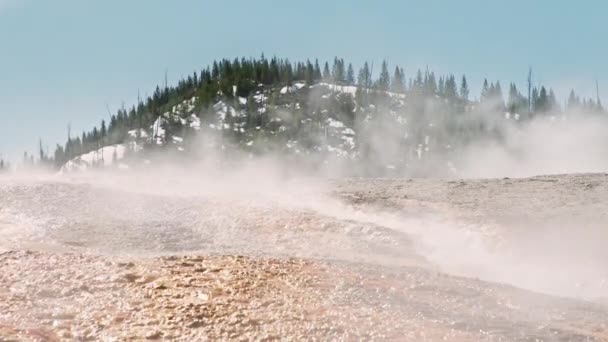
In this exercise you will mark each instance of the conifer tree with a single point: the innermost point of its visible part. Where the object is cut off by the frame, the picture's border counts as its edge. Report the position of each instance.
(398, 85)
(535, 100)
(103, 129)
(441, 87)
(553, 105)
(326, 73)
(350, 75)
(542, 103)
(513, 99)
(464, 89)
(41, 152)
(485, 90)
(451, 90)
(364, 79)
(338, 73)
(418, 82)
(574, 102)
(310, 73)
(317, 74)
(384, 79)
(430, 84)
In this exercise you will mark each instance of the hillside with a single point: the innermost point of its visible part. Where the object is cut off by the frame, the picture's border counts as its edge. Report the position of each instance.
(323, 120)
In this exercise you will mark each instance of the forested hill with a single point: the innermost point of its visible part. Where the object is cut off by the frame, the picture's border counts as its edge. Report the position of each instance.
(325, 111)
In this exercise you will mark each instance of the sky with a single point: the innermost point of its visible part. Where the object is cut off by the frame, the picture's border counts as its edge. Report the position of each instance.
(70, 62)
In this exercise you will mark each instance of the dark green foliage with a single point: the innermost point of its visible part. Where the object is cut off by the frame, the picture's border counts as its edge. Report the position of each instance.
(326, 74)
(398, 84)
(385, 79)
(464, 89)
(350, 75)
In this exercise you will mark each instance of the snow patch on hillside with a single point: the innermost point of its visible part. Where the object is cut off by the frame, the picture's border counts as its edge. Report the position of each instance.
(293, 88)
(103, 157)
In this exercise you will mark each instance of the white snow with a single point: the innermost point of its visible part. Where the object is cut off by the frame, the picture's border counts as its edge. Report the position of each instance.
(349, 141)
(158, 132)
(105, 156)
(293, 88)
(348, 131)
(195, 122)
(335, 123)
(221, 109)
(340, 88)
(291, 143)
(134, 132)
(260, 98)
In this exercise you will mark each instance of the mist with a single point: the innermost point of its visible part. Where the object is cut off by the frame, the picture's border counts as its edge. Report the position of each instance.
(479, 208)
(568, 143)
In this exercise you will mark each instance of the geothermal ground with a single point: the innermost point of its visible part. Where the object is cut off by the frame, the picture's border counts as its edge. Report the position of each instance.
(372, 259)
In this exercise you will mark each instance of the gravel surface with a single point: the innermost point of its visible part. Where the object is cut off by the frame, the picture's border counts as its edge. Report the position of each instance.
(371, 259)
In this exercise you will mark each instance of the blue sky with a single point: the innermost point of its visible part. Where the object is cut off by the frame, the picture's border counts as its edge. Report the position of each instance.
(67, 61)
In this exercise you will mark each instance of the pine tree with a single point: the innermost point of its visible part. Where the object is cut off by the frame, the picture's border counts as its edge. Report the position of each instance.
(384, 79)
(338, 73)
(497, 97)
(553, 104)
(326, 73)
(350, 75)
(398, 85)
(310, 74)
(485, 90)
(441, 87)
(364, 79)
(464, 89)
(534, 101)
(418, 82)
(574, 102)
(542, 104)
(103, 129)
(514, 100)
(41, 152)
(430, 84)
(317, 73)
(451, 90)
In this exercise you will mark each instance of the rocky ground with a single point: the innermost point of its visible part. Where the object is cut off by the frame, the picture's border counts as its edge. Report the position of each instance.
(374, 260)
